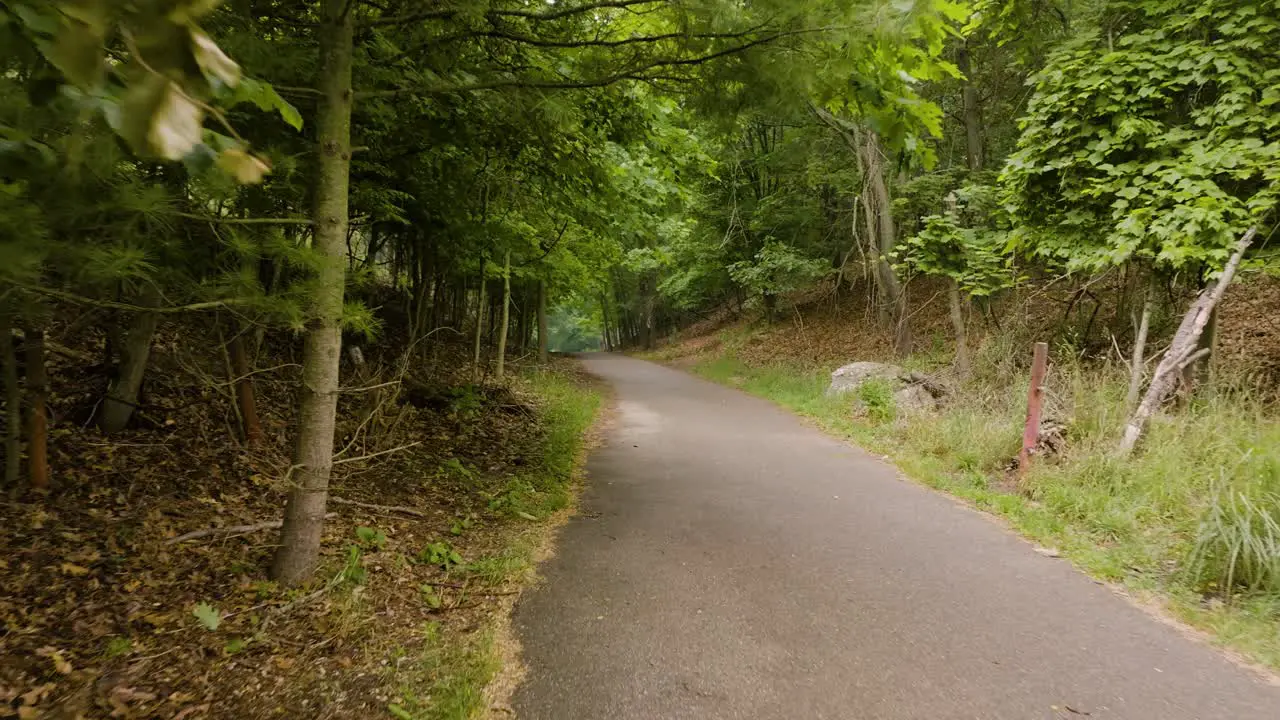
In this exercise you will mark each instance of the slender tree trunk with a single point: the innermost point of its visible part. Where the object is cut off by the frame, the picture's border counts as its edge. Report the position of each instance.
(122, 394)
(972, 110)
(37, 411)
(13, 406)
(887, 238)
(544, 347)
(604, 319)
(245, 396)
(958, 324)
(1138, 364)
(303, 527)
(1185, 348)
(505, 323)
(481, 306)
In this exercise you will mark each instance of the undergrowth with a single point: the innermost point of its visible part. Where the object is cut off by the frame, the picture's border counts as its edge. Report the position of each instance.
(1193, 519)
(445, 679)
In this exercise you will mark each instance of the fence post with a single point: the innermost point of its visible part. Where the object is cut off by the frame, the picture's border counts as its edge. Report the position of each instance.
(1035, 400)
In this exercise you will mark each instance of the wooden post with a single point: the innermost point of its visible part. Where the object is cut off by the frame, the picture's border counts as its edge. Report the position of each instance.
(1035, 399)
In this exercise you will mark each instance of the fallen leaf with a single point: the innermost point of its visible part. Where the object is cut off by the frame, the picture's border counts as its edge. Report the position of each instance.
(74, 570)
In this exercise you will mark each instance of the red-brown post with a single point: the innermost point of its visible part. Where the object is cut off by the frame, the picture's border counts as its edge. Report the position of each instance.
(1035, 398)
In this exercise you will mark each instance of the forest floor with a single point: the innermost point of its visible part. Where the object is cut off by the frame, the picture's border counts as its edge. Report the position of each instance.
(106, 613)
(1163, 526)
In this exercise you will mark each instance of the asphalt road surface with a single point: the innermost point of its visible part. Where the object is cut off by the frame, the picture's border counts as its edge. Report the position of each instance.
(731, 562)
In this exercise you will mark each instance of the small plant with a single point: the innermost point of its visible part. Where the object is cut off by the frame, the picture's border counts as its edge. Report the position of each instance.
(118, 646)
(876, 396)
(209, 616)
(453, 467)
(371, 537)
(431, 596)
(353, 571)
(236, 645)
(440, 553)
(462, 524)
(1239, 543)
(466, 402)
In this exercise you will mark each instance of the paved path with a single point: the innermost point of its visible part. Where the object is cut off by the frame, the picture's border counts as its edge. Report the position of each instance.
(731, 562)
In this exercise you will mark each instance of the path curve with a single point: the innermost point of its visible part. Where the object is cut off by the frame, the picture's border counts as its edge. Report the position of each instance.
(731, 562)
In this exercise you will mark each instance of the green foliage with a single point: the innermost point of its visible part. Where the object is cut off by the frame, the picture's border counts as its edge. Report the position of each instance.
(777, 269)
(1238, 546)
(876, 399)
(208, 616)
(966, 245)
(1158, 142)
(440, 553)
(371, 538)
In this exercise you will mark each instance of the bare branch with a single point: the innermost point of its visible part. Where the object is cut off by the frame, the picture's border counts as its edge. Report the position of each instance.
(544, 15)
(82, 300)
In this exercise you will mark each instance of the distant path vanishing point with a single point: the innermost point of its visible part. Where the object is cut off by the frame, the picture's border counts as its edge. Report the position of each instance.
(731, 562)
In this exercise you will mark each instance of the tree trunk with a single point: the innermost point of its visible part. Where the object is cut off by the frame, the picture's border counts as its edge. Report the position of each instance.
(604, 319)
(481, 307)
(544, 346)
(972, 112)
(958, 324)
(13, 406)
(1184, 350)
(1138, 364)
(245, 396)
(505, 322)
(886, 238)
(37, 417)
(303, 527)
(135, 351)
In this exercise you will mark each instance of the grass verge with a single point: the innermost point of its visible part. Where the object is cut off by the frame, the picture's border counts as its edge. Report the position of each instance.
(1190, 523)
(451, 673)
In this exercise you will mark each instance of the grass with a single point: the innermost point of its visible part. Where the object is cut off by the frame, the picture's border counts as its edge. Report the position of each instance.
(1193, 520)
(447, 677)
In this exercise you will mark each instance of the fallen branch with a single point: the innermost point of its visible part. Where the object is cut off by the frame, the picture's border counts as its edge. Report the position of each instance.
(380, 508)
(1184, 350)
(377, 454)
(230, 530)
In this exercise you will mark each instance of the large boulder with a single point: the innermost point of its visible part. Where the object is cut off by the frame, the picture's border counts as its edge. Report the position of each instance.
(911, 392)
(852, 376)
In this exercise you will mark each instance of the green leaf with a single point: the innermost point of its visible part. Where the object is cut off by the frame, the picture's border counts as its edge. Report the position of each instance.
(399, 712)
(209, 616)
(265, 98)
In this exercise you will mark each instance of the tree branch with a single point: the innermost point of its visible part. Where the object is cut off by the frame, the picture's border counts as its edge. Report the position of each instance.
(543, 15)
(243, 221)
(636, 73)
(82, 300)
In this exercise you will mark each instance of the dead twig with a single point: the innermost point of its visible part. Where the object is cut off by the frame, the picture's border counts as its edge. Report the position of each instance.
(235, 530)
(380, 508)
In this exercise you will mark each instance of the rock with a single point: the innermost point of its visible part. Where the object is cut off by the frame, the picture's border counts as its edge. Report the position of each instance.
(909, 395)
(914, 398)
(851, 377)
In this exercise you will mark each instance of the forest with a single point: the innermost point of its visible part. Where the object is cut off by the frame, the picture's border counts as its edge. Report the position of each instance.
(284, 282)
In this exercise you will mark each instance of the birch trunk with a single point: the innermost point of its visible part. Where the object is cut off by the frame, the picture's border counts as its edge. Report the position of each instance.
(1137, 364)
(303, 527)
(1184, 350)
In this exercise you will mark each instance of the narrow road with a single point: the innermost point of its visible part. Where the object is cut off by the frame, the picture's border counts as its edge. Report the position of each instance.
(731, 562)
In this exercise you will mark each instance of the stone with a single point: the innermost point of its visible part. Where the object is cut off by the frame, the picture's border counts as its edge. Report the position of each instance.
(909, 395)
(851, 377)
